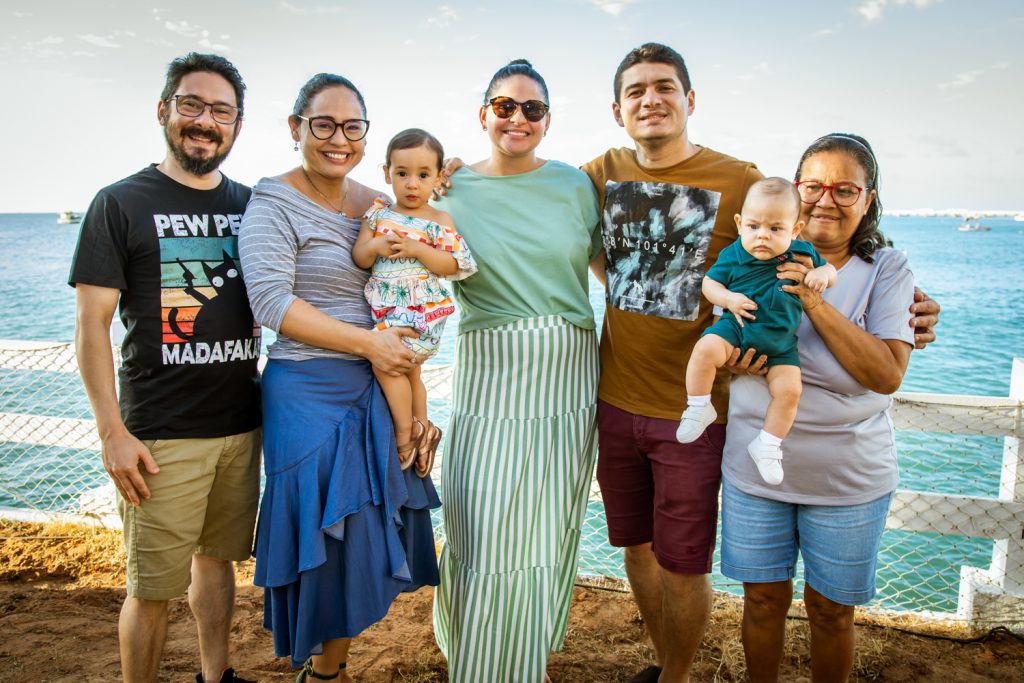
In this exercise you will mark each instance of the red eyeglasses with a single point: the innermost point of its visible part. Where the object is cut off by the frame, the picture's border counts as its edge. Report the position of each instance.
(843, 194)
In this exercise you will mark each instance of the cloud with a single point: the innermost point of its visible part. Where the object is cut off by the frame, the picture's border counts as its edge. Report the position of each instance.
(444, 17)
(318, 9)
(98, 41)
(193, 32)
(759, 69)
(21, 15)
(182, 28)
(51, 40)
(827, 31)
(965, 78)
(612, 7)
(874, 10)
(941, 145)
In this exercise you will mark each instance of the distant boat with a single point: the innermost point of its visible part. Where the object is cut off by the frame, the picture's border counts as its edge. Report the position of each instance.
(973, 224)
(66, 217)
(1019, 217)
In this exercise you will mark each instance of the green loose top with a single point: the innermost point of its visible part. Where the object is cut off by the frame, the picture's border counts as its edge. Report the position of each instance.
(532, 235)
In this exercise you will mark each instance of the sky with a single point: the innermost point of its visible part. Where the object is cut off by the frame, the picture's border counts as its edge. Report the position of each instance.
(935, 85)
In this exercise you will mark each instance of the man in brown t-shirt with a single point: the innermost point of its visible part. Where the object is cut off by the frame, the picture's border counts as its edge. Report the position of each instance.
(668, 208)
(668, 212)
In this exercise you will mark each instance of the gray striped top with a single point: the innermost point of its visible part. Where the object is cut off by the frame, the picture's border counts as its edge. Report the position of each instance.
(292, 248)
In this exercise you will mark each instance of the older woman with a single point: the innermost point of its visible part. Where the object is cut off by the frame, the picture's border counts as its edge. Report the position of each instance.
(855, 343)
(342, 529)
(521, 444)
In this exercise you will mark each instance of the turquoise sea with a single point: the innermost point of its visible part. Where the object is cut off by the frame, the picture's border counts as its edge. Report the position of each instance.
(976, 276)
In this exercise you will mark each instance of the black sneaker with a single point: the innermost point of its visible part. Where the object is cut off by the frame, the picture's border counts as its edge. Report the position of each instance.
(228, 677)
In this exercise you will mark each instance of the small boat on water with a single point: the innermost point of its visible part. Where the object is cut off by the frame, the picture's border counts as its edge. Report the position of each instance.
(973, 224)
(1019, 218)
(67, 217)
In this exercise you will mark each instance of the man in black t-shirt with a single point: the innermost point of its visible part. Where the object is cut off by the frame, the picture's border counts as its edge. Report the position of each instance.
(182, 443)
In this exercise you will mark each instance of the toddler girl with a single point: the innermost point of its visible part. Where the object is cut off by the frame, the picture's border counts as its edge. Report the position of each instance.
(409, 244)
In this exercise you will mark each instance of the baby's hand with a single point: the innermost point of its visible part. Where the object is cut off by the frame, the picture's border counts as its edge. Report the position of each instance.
(816, 280)
(403, 247)
(820, 278)
(741, 307)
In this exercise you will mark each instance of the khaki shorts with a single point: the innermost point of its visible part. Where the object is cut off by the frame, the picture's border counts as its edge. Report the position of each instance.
(203, 502)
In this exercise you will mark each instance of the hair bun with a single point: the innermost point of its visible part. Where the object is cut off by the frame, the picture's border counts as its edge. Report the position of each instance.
(524, 62)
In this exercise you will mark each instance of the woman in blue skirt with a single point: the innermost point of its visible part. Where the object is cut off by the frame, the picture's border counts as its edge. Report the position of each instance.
(342, 528)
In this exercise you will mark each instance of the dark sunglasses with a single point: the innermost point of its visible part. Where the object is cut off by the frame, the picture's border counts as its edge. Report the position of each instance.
(505, 107)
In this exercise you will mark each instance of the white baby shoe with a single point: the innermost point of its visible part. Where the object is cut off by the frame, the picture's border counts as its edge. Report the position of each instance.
(768, 458)
(694, 421)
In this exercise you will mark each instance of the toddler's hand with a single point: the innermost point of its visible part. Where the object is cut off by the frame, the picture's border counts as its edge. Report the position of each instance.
(403, 247)
(741, 307)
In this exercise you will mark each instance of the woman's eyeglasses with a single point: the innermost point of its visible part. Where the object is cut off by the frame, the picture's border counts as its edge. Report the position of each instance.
(505, 107)
(323, 127)
(843, 194)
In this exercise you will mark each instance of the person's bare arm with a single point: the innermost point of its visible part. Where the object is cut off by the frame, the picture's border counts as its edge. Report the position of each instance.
(436, 261)
(367, 247)
(122, 452)
(720, 295)
(877, 364)
(385, 350)
(598, 267)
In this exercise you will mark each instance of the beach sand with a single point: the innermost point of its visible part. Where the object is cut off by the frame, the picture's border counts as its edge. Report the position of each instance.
(61, 588)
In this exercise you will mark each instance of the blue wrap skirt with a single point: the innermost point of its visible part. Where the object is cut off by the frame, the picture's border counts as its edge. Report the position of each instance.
(342, 529)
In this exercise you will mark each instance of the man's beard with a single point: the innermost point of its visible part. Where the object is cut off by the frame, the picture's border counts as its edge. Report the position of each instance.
(197, 166)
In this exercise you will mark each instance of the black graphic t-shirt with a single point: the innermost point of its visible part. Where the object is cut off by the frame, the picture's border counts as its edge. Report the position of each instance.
(191, 345)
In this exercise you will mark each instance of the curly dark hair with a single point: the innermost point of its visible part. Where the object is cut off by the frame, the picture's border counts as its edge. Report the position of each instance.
(867, 238)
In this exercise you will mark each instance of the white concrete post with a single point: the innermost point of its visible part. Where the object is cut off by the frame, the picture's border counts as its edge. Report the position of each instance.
(1007, 568)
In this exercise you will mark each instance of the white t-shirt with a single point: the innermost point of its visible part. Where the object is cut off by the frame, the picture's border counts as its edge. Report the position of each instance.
(841, 450)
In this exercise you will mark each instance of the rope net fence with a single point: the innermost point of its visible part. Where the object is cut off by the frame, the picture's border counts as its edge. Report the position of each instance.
(956, 519)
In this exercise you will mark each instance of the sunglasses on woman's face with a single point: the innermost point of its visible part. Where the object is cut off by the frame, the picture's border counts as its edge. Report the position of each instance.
(505, 107)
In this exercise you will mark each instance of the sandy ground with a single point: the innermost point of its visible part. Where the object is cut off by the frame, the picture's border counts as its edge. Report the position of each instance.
(61, 589)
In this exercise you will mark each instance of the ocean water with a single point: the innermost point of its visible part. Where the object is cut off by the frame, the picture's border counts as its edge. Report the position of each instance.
(975, 276)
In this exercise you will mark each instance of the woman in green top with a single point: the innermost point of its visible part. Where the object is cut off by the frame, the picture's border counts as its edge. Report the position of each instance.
(522, 440)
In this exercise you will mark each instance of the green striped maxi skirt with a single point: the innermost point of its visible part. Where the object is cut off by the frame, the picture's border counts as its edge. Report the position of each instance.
(515, 481)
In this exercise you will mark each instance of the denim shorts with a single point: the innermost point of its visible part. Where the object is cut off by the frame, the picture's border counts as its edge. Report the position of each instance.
(839, 543)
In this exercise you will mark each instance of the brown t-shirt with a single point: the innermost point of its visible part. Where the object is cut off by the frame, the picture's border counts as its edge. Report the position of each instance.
(662, 230)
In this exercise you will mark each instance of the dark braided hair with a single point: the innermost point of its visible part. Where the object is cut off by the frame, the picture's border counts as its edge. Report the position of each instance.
(866, 239)
(517, 67)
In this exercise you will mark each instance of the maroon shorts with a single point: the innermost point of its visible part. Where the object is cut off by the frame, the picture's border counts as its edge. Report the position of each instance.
(657, 490)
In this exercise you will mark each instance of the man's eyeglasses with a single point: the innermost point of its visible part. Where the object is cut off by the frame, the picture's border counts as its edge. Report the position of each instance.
(193, 107)
(843, 194)
(323, 127)
(505, 107)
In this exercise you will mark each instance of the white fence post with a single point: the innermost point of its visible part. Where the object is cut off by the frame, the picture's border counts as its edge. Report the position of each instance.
(1008, 554)
(996, 597)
